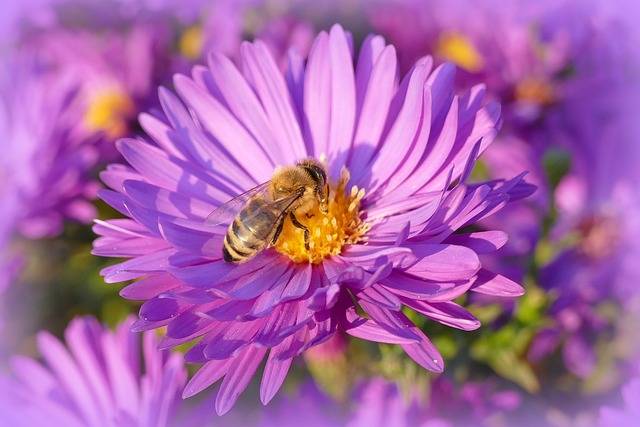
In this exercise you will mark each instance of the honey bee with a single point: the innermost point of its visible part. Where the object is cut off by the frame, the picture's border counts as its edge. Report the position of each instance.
(293, 191)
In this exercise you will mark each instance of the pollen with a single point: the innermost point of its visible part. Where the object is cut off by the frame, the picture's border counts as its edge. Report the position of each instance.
(328, 233)
(110, 111)
(191, 42)
(535, 90)
(457, 48)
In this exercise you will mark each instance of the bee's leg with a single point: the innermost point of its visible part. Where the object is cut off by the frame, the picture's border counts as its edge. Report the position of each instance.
(295, 222)
(278, 231)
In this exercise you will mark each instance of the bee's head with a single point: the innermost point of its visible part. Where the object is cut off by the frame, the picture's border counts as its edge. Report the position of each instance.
(320, 184)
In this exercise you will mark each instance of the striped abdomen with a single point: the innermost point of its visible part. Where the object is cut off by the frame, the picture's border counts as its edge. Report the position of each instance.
(251, 231)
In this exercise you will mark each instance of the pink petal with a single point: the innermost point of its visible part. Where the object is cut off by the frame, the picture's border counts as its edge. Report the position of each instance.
(210, 275)
(343, 99)
(275, 371)
(141, 266)
(69, 376)
(448, 313)
(370, 330)
(391, 320)
(220, 123)
(201, 149)
(149, 287)
(371, 257)
(375, 87)
(424, 353)
(490, 283)
(481, 242)
(208, 374)
(400, 135)
(203, 244)
(444, 262)
(317, 95)
(238, 378)
(379, 296)
(166, 201)
(267, 81)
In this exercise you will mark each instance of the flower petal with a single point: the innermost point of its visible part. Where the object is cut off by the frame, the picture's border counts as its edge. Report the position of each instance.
(200, 150)
(490, 283)
(208, 374)
(274, 374)
(149, 287)
(444, 262)
(343, 99)
(138, 267)
(267, 81)
(238, 377)
(212, 274)
(423, 352)
(447, 312)
(413, 287)
(400, 135)
(481, 242)
(226, 129)
(375, 87)
(391, 320)
(190, 240)
(291, 285)
(370, 330)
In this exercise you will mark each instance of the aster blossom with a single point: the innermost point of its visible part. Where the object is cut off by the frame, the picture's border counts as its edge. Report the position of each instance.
(47, 156)
(100, 378)
(397, 155)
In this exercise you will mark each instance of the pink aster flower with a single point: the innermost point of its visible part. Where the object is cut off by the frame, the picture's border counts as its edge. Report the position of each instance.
(116, 71)
(397, 157)
(47, 157)
(101, 378)
(382, 403)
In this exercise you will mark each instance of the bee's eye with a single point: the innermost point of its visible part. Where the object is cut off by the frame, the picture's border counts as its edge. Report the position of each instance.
(320, 173)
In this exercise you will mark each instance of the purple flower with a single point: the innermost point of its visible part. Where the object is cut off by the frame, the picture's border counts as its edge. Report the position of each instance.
(397, 154)
(116, 71)
(217, 26)
(596, 201)
(492, 42)
(473, 403)
(319, 410)
(47, 156)
(101, 378)
(286, 32)
(382, 403)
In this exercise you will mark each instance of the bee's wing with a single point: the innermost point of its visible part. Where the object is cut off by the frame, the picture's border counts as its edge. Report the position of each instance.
(226, 212)
(276, 207)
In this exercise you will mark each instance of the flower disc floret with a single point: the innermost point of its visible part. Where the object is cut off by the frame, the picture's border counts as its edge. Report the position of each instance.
(341, 225)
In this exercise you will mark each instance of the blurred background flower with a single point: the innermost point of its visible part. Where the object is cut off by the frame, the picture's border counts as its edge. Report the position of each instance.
(101, 378)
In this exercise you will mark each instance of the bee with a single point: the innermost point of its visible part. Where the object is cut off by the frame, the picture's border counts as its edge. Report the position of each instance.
(292, 192)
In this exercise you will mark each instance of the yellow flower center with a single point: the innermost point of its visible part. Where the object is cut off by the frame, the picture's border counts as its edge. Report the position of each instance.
(458, 49)
(110, 111)
(536, 90)
(191, 42)
(329, 232)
